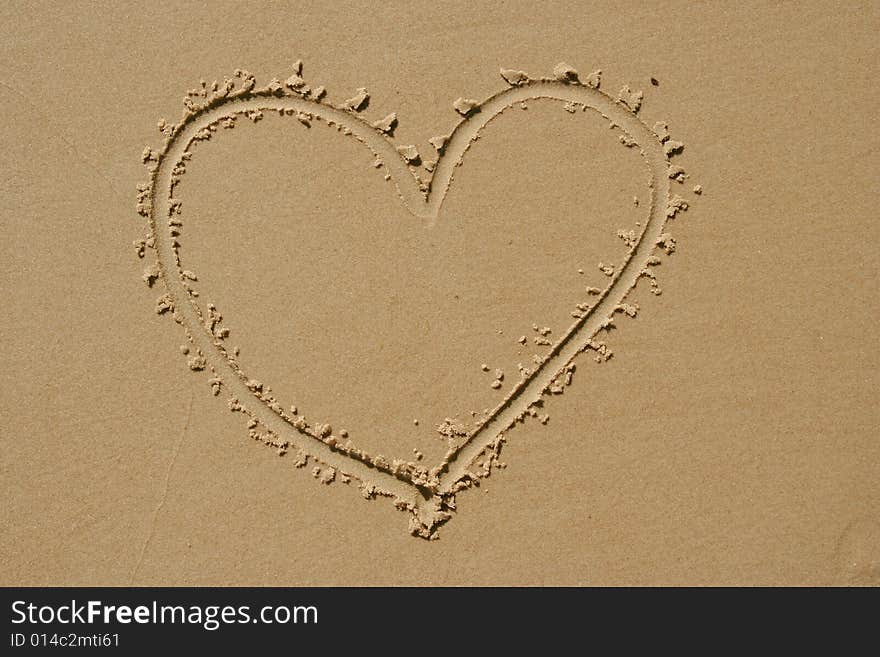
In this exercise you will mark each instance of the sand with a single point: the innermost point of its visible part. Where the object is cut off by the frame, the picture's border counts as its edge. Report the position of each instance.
(494, 296)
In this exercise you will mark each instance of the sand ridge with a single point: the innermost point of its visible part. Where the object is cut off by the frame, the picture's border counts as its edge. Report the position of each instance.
(421, 182)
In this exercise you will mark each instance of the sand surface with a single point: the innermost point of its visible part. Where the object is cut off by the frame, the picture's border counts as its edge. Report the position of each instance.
(424, 322)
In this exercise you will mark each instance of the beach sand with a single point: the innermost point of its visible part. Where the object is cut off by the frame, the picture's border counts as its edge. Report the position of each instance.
(581, 295)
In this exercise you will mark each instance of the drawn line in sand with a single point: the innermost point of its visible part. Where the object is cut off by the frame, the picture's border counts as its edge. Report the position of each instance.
(428, 494)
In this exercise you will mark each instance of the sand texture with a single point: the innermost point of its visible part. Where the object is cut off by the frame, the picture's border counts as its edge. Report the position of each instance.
(494, 295)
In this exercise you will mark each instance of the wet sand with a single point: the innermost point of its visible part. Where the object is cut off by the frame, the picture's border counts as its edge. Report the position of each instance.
(542, 291)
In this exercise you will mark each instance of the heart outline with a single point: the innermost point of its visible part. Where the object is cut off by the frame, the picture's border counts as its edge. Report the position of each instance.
(430, 498)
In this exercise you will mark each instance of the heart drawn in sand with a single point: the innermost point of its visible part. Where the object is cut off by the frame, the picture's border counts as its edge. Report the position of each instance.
(428, 494)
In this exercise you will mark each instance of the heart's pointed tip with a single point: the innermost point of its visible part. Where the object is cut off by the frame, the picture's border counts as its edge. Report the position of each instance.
(428, 516)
